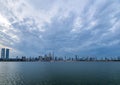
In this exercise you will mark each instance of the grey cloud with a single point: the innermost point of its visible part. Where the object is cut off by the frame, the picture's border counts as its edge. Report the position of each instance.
(98, 34)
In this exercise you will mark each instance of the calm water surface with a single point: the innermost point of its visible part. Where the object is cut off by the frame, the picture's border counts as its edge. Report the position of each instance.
(59, 73)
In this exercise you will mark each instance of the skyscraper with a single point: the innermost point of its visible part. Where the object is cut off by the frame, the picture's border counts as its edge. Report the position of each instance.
(7, 53)
(3, 53)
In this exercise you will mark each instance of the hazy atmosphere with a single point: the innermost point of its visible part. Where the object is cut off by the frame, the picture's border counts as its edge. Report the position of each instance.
(65, 27)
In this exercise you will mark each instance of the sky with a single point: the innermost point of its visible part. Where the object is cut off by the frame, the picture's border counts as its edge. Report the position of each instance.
(65, 27)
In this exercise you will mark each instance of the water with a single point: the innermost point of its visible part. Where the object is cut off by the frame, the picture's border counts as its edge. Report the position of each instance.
(59, 73)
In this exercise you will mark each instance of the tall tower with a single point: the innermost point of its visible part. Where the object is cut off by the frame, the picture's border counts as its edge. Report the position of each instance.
(7, 53)
(3, 53)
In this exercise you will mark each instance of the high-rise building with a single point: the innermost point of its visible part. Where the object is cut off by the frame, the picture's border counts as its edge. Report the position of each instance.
(7, 53)
(3, 53)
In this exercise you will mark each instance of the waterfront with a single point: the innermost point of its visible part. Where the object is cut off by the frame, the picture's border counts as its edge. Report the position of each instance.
(59, 73)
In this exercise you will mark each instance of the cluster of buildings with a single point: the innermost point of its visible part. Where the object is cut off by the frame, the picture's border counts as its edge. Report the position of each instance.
(52, 58)
(5, 53)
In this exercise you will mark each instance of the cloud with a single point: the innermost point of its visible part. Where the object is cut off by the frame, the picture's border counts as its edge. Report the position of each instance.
(80, 27)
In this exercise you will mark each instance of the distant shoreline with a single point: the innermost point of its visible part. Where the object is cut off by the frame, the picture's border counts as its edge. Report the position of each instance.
(59, 61)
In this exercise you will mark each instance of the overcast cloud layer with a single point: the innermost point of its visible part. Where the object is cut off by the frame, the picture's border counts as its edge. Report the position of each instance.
(67, 27)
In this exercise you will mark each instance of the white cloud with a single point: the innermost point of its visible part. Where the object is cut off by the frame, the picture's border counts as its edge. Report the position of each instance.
(75, 26)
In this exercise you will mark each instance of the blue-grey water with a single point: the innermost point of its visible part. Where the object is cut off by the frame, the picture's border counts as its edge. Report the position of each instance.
(59, 73)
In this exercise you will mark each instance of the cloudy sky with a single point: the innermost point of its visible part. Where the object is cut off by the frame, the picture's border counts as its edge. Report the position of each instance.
(65, 27)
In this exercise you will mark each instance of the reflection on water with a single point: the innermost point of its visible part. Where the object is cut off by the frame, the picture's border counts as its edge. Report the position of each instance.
(9, 74)
(59, 73)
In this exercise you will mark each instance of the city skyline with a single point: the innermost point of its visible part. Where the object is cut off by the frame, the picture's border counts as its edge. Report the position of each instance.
(50, 57)
(65, 27)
